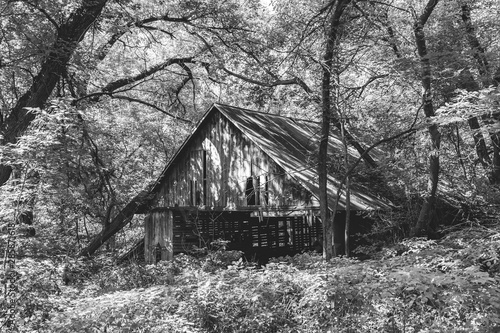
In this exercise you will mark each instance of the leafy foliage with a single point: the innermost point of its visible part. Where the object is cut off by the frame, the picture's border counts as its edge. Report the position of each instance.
(121, 106)
(417, 285)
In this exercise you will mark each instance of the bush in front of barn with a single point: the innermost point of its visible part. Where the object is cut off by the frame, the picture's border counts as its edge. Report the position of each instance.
(428, 286)
(413, 291)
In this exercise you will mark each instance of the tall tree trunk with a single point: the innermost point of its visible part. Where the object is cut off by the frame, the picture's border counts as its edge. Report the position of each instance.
(69, 34)
(347, 230)
(347, 196)
(483, 66)
(430, 198)
(495, 141)
(479, 143)
(391, 35)
(323, 155)
(467, 82)
(478, 51)
(332, 42)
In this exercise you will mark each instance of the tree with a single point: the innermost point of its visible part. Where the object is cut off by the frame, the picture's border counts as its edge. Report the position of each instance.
(87, 52)
(435, 135)
(332, 238)
(486, 79)
(67, 37)
(349, 64)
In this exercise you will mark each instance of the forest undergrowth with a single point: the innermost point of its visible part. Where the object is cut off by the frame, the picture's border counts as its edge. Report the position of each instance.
(417, 285)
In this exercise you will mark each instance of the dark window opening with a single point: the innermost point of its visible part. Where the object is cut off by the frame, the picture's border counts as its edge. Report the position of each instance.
(198, 198)
(204, 177)
(196, 193)
(191, 193)
(257, 190)
(158, 251)
(249, 192)
(266, 191)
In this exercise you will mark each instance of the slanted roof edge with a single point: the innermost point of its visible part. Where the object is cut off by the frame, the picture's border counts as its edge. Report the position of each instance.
(155, 187)
(158, 183)
(264, 150)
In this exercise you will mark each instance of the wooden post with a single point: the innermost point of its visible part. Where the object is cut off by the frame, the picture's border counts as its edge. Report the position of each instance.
(148, 240)
(167, 235)
(158, 231)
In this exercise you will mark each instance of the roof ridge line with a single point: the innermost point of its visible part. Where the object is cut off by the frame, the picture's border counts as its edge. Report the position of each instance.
(265, 113)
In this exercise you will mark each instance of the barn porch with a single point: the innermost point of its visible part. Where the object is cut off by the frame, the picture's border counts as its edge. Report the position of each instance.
(173, 230)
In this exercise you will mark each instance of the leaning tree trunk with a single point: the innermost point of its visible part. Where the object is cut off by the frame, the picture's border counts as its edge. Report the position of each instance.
(69, 35)
(119, 221)
(430, 198)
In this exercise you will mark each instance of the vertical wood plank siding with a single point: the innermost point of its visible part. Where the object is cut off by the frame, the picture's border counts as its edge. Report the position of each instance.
(231, 159)
(158, 237)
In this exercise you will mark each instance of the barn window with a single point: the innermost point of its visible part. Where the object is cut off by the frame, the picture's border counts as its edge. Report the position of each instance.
(192, 190)
(252, 191)
(257, 190)
(198, 197)
(204, 177)
(249, 192)
(266, 191)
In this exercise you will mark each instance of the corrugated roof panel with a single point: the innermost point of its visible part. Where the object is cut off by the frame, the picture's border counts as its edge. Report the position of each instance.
(291, 143)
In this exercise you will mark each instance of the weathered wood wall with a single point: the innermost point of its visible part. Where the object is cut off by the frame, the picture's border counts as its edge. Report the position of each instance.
(216, 165)
(158, 236)
(178, 230)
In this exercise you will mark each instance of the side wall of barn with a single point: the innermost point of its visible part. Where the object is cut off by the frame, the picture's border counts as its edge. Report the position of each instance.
(219, 167)
(158, 237)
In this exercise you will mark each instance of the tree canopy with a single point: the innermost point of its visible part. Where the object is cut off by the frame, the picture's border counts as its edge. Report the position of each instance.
(97, 95)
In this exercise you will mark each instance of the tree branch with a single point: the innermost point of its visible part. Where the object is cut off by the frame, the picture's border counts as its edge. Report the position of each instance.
(367, 83)
(112, 86)
(135, 100)
(271, 84)
(69, 34)
(44, 12)
(422, 19)
(103, 51)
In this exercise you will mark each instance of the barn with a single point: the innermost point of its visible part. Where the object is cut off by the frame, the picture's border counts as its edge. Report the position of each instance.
(246, 177)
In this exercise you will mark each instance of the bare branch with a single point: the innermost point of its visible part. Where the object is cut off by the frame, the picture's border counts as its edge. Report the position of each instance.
(408, 132)
(185, 80)
(370, 80)
(276, 82)
(104, 49)
(95, 96)
(135, 100)
(390, 5)
(44, 12)
(112, 86)
(291, 81)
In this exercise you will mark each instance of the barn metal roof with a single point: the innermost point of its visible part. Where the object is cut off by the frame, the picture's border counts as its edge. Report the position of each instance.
(292, 144)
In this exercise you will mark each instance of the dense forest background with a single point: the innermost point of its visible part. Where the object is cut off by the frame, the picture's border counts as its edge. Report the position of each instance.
(96, 96)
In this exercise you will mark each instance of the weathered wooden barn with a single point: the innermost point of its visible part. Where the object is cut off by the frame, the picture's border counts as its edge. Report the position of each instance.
(246, 177)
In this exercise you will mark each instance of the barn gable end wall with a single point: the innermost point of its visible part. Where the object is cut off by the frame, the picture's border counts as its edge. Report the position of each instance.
(214, 168)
